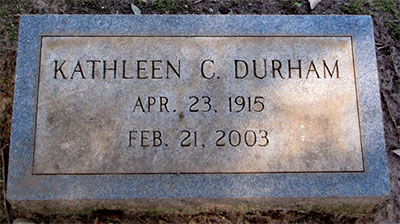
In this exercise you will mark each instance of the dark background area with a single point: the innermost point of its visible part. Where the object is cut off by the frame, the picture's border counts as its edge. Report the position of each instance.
(385, 14)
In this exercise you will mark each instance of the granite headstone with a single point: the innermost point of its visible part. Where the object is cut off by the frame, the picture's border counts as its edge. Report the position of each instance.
(120, 109)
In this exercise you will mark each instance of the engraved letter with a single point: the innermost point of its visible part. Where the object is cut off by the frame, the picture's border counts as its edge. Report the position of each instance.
(138, 104)
(139, 68)
(124, 69)
(105, 69)
(157, 138)
(177, 73)
(163, 103)
(150, 102)
(58, 69)
(335, 68)
(236, 69)
(312, 69)
(290, 68)
(154, 69)
(144, 137)
(255, 69)
(93, 66)
(277, 68)
(131, 137)
(78, 68)
(202, 69)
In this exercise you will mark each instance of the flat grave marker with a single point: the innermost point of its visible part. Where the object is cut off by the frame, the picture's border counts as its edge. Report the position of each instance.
(196, 107)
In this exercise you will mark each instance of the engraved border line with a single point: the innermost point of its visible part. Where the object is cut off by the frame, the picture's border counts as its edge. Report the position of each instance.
(205, 173)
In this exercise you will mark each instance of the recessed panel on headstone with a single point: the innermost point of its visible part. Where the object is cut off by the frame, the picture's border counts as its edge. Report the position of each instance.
(202, 104)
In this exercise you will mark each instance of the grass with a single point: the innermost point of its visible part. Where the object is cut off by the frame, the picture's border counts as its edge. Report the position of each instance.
(356, 7)
(397, 88)
(297, 4)
(388, 6)
(233, 3)
(395, 28)
(360, 7)
(3, 13)
(12, 32)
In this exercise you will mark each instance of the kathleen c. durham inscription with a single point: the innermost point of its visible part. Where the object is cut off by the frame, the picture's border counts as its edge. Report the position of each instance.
(197, 104)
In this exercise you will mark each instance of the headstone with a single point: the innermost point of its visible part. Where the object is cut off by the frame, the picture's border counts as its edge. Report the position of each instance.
(114, 109)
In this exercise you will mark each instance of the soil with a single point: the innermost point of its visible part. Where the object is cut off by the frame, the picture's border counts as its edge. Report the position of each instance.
(385, 14)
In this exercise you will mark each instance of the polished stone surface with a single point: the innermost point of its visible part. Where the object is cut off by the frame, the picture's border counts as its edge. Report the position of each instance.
(196, 105)
(346, 180)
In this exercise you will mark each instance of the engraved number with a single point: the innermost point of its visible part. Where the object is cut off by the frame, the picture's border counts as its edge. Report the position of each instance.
(206, 101)
(189, 138)
(236, 138)
(239, 103)
(220, 139)
(264, 135)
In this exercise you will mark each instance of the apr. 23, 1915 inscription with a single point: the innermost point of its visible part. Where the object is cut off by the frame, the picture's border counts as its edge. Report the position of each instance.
(197, 104)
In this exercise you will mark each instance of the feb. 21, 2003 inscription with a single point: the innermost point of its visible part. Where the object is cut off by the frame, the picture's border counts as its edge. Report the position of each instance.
(218, 104)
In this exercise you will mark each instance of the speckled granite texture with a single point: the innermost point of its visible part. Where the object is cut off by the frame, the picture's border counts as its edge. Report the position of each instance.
(23, 186)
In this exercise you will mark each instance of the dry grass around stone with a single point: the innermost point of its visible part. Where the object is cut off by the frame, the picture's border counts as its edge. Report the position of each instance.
(385, 14)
